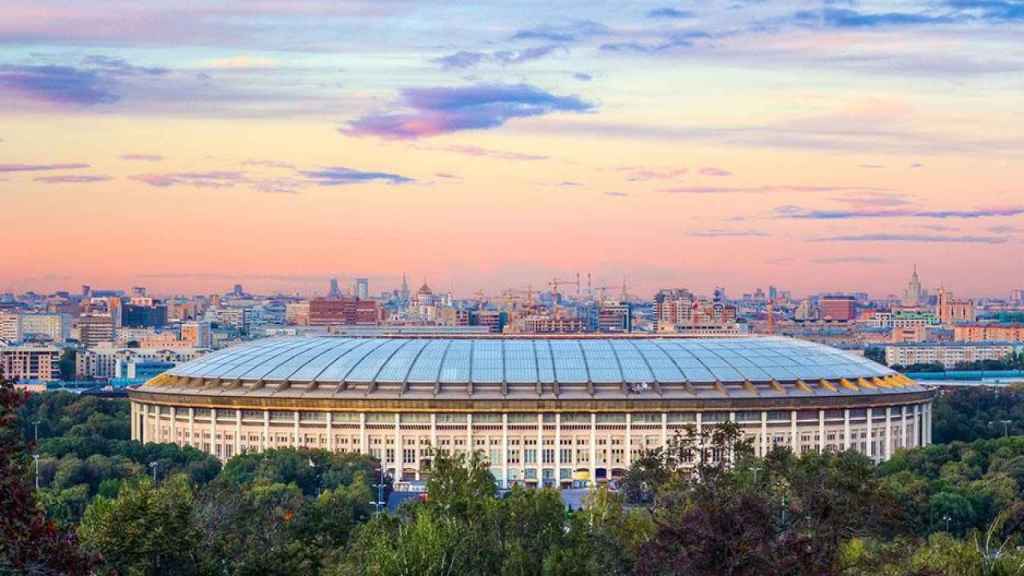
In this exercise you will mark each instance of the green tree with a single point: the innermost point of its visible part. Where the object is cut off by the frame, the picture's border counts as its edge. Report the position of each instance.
(146, 530)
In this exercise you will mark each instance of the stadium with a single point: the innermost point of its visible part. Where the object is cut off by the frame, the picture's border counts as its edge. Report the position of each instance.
(551, 411)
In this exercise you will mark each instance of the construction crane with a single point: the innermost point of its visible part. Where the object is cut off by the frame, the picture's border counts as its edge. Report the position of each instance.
(555, 283)
(623, 295)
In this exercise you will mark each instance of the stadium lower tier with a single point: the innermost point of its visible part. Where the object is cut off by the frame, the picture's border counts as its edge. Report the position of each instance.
(554, 444)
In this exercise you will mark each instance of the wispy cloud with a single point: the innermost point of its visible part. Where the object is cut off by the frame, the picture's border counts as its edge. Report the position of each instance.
(991, 10)
(915, 238)
(849, 18)
(72, 179)
(873, 199)
(563, 33)
(714, 172)
(804, 214)
(57, 84)
(766, 190)
(668, 42)
(342, 176)
(210, 179)
(433, 111)
(616, 194)
(40, 167)
(465, 59)
(849, 260)
(643, 174)
(479, 151)
(270, 164)
(670, 13)
(142, 157)
(722, 233)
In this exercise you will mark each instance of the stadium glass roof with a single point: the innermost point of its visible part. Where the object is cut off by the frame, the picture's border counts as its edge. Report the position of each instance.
(384, 362)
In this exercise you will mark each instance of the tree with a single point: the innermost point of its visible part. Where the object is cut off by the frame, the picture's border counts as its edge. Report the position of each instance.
(147, 530)
(29, 543)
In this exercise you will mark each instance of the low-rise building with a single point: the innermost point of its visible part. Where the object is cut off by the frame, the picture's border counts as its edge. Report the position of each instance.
(989, 333)
(948, 354)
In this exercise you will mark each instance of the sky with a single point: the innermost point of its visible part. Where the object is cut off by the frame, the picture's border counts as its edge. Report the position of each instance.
(815, 146)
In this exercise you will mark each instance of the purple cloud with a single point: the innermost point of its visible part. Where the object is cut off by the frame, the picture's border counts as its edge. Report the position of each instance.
(919, 238)
(670, 14)
(767, 189)
(58, 84)
(714, 172)
(616, 194)
(341, 176)
(642, 174)
(565, 33)
(211, 179)
(142, 157)
(433, 111)
(478, 151)
(40, 167)
(583, 77)
(720, 233)
(72, 179)
(802, 214)
(464, 59)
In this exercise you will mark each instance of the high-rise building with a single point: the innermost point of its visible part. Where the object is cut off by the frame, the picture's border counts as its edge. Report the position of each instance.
(914, 294)
(614, 317)
(10, 327)
(237, 291)
(53, 327)
(673, 307)
(31, 362)
(334, 292)
(952, 311)
(362, 288)
(1017, 296)
(198, 334)
(142, 316)
(838, 308)
(95, 328)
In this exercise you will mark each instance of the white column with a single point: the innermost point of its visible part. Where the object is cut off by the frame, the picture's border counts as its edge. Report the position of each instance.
(558, 449)
(330, 432)
(135, 422)
(363, 449)
(238, 430)
(821, 431)
(917, 425)
(593, 450)
(399, 456)
(174, 425)
(903, 426)
(887, 453)
(928, 423)
(504, 449)
(213, 431)
(540, 449)
(469, 432)
(296, 430)
(764, 433)
(664, 429)
(794, 436)
(433, 430)
(191, 426)
(699, 445)
(266, 430)
(846, 429)
(629, 439)
(870, 445)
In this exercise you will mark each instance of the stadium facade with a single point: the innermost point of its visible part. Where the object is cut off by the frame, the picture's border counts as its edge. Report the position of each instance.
(543, 411)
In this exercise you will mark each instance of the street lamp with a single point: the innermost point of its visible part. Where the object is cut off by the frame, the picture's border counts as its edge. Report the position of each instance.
(154, 465)
(36, 458)
(380, 503)
(35, 423)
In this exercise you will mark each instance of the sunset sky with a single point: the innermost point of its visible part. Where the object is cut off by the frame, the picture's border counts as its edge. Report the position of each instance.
(189, 145)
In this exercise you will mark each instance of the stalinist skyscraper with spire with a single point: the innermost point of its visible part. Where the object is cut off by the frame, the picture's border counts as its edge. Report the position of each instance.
(914, 295)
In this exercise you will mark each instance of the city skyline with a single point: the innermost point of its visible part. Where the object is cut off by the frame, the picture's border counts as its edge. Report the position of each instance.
(814, 146)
